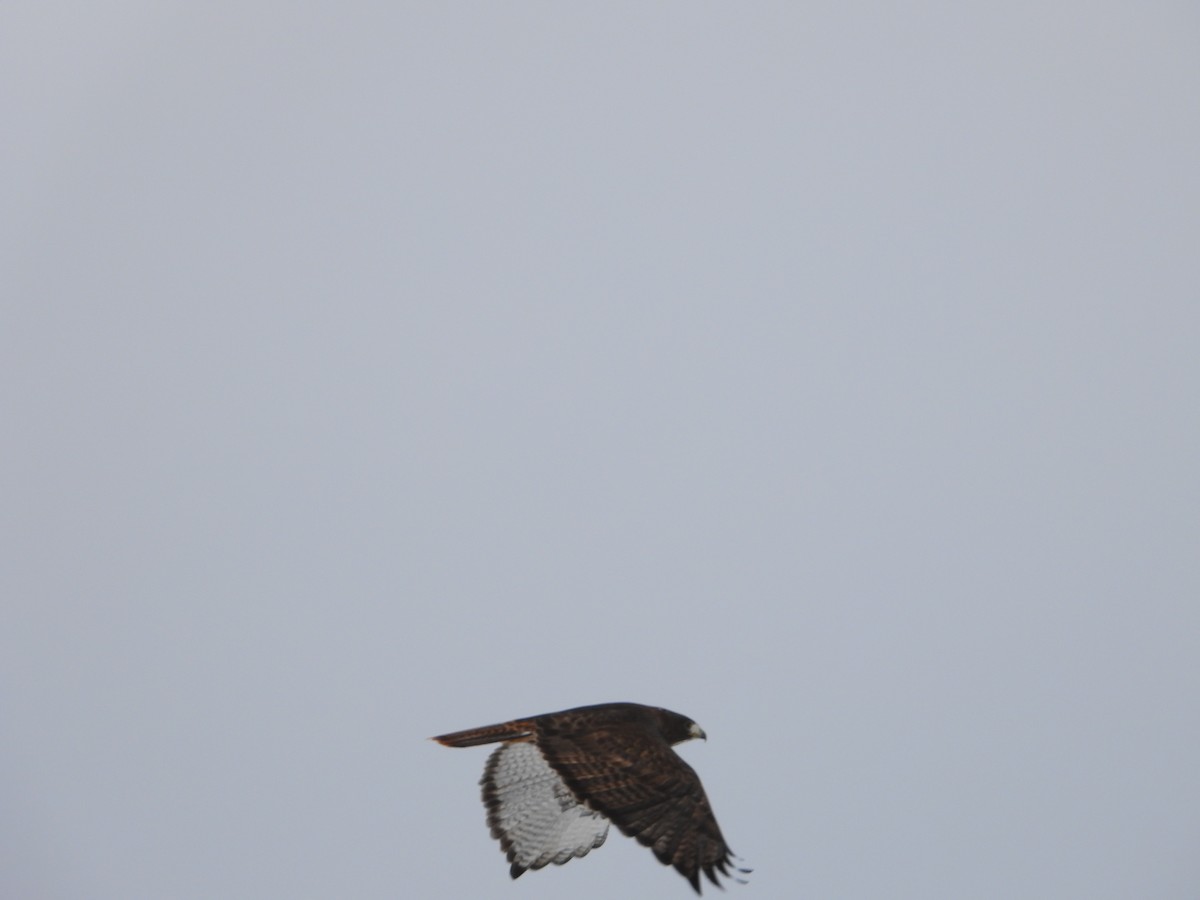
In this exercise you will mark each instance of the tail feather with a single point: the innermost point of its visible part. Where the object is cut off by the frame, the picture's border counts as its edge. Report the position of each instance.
(489, 734)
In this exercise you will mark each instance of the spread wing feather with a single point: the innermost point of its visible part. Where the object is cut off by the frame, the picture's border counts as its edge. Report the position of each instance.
(533, 813)
(647, 790)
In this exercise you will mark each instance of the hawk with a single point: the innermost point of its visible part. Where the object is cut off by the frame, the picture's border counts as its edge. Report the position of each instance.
(557, 780)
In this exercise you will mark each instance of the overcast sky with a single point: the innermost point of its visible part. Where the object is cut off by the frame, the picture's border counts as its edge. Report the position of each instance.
(827, 372)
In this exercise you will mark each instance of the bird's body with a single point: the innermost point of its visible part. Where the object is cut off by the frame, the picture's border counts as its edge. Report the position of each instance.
(557, 780)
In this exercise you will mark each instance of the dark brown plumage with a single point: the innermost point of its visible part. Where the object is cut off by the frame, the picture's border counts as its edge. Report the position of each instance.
(594, 763)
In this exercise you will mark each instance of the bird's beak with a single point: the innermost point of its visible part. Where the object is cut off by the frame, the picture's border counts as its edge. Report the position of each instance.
(697, 732)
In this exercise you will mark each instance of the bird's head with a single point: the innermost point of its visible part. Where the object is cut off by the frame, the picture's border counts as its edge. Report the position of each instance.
(676, 728)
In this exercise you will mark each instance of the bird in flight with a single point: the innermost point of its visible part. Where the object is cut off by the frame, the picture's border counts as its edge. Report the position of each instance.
(557, 780)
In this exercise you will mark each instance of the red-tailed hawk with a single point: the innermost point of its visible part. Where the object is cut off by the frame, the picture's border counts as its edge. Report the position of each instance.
(558, 779)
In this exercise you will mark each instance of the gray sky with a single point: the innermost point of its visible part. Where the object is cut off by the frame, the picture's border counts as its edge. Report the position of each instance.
(824, 371)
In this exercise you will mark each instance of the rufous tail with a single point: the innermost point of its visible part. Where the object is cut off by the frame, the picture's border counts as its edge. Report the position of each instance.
(489, 734)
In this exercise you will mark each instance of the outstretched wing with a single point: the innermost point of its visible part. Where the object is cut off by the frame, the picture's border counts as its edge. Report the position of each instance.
(533, 813)
(647, 790)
